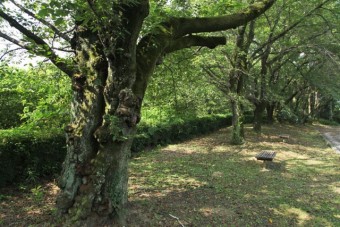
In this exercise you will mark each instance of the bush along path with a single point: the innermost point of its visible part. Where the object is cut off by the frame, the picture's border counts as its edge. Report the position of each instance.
(29, 155)
(207, 182)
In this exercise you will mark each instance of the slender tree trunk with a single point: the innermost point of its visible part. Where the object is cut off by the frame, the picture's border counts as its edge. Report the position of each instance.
(258, 114)
(237, 123)
(270, 112)
(331, 112)
(238, 76)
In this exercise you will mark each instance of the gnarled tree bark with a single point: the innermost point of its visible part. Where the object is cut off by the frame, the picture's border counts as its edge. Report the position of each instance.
(109, 76)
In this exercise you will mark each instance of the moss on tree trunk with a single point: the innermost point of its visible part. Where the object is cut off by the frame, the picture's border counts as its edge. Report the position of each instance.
(237, 124)
(258, 114)
(109, 83)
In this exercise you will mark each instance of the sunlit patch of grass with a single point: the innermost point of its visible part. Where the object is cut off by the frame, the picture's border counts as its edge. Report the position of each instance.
(296, 213)
(335, 187)
(208, 182)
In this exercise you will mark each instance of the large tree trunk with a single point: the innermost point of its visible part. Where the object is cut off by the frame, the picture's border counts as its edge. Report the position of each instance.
(94, 177)
(105, 110)
(109, 86)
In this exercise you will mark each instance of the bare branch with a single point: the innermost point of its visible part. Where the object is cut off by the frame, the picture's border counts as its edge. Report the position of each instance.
(193, 40)
(63, 49)
(15, 41)
(8, 52)
(179, 27)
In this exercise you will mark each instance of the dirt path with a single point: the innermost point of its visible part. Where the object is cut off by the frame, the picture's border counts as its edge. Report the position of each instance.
(332, 135)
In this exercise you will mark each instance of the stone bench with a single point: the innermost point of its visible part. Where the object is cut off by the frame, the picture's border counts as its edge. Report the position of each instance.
(266, 155)
(284, 136)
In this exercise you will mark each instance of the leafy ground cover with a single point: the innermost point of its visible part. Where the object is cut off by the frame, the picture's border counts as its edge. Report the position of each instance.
(207, 182)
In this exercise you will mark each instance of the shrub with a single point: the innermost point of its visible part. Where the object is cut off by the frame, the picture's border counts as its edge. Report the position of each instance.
(286, 115)
(328, 122)
(149, 136)
(28, 155)
(11, 107)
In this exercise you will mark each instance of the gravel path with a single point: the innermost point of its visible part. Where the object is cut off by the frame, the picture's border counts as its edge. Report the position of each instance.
(332, 135)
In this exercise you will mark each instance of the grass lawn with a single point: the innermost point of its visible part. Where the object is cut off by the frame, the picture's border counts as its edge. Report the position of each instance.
(207, 182)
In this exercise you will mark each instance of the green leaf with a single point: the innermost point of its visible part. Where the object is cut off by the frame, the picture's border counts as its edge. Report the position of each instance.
(59, 21)
(43, 12)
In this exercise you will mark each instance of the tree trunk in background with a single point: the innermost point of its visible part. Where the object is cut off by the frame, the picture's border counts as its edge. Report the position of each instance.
(237, 123)
(238, 76)
(270, 112)
(258, 114)
(331, 112)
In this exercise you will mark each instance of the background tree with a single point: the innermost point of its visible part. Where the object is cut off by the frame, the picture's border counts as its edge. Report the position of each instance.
(273, 46)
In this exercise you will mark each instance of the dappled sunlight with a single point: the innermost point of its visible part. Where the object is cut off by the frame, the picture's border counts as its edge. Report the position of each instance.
(208, 181)
(301, 215)
(31, 205)
(314, 162)
(335, 187)
(161, 184)
(218, 211)
(34, 211)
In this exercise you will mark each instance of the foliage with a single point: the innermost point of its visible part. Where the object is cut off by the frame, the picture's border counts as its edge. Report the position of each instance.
(28, 154)
(170, 132)
(287, 115)
(328, 122)
(179, 90)
(11, 107)
(39, 95)
(37, 193)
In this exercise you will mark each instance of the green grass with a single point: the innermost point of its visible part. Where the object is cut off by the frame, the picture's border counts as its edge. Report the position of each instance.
(207, 182)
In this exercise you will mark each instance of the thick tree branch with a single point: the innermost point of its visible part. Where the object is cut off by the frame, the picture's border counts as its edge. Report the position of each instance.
(51, 26)
(193, 40)
(176, 34)
(179, 27)
(15, 41)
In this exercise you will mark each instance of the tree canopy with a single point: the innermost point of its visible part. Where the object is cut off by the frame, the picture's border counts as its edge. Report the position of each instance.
(109, 50)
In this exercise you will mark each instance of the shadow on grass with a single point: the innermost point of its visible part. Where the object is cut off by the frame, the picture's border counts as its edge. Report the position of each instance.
(205, 182)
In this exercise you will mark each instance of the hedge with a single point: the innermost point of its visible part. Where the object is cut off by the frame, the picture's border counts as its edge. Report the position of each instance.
(30, 155)
(26, 155)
